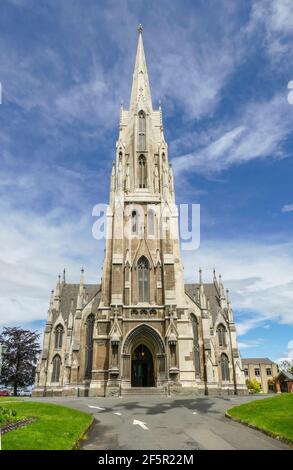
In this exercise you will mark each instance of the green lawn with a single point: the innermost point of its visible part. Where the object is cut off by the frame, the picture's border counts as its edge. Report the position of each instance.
(2, 399)
(57, 427)
(274, 415)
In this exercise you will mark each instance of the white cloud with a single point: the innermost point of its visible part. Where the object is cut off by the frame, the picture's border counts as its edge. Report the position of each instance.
(274, 17)
(36, 248)
(287, 208)
(38, 243)
(250, 343)
(289, 355)
(257, 133)
(259, 276)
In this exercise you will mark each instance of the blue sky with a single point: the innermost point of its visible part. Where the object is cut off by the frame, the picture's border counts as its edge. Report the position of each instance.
(221, 70)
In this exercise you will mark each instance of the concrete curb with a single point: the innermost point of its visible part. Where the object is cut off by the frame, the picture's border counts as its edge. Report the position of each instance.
(264, 431)
(83, 434)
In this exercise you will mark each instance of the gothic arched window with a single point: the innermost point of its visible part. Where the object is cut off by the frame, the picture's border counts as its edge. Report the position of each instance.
(143, 279)
(141, 131)
(134, 222)
(221, 330)
(89, 346)
(225, 367)
(196, 352)
(151, 222)
(58, 336)
(142, 172)
(56, 368)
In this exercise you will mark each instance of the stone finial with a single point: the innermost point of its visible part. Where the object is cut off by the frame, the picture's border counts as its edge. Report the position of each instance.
(58, 287)
(197, 294)
(51, 297)
(81, 283)
(64, 276)
(140, 28)
(200, 275)
(208, 305)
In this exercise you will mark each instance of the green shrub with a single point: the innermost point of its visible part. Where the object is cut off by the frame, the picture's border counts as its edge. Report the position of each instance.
(253, 386)
(7, 416)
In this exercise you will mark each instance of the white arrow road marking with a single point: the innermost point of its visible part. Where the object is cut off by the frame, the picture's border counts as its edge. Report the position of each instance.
(96, 407)
(194, 413)
(118, 414)
(141, 424)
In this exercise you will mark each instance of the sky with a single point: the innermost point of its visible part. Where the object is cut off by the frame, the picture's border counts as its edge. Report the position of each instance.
(222, 71)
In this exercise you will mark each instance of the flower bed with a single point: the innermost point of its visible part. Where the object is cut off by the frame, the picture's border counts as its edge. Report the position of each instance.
(7, 416)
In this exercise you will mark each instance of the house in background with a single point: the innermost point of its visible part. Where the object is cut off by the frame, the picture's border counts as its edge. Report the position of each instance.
(284, 382)
(263, 370)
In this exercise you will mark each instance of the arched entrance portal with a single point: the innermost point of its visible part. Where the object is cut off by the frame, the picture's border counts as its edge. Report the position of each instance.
(143, 358)
(142, 367)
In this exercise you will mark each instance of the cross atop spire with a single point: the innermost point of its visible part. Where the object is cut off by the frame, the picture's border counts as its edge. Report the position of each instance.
(140, 28)
(140, 92)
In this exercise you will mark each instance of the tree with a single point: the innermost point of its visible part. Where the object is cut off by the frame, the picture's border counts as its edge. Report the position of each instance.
(20, 358)
(287, 365)
(253, 386)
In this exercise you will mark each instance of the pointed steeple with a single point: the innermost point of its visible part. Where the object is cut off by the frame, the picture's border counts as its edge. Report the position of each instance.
(80, 297)
(221, 286)
(202, 297)
(57, 294)
(58, 288)
(140, 92)
(223, 301)
(51, 300)
(230, 311)
(49, 316)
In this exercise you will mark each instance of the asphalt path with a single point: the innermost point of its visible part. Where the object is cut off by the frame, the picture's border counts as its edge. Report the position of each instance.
(156, 423)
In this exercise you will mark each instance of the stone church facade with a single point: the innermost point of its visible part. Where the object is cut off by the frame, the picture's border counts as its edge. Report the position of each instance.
(142, 327)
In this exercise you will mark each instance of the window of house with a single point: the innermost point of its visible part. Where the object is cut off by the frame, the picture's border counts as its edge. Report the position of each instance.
(142, 172)
(141, 131)
(134, 222)
(56, 369)
(151, 222)
(196, 351)
(246, 372)
(221, 330)
(89, 345)
(58, 336)
(257, 372)
(143, 279)
(269, 371)
(225, 373)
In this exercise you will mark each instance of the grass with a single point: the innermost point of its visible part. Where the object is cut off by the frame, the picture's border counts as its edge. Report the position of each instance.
(56, 427)
(9, 399)
(272, 415)
(7, 416)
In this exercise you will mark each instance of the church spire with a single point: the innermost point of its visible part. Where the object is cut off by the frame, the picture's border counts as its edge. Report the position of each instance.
(140, 92)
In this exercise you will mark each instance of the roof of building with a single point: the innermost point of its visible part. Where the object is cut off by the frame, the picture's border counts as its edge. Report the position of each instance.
(287, 374)
(69, 294)
(257, 360)
(211, 293)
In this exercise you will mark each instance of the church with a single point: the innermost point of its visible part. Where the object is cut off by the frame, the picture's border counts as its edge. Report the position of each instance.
(142, 330)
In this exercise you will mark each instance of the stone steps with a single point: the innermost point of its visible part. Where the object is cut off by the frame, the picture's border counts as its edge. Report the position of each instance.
(144, 391)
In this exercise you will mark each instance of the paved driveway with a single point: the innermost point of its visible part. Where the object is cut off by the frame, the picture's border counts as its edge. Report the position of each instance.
(166, 423)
